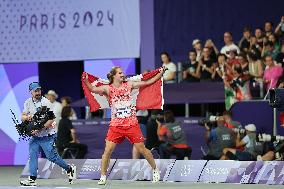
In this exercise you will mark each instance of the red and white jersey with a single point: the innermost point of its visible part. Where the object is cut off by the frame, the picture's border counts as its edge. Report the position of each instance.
(123, 110)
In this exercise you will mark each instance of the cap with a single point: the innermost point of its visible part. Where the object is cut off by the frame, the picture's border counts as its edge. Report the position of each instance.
(34, 86)
(250, 127)
(195, 41)
(53, 93)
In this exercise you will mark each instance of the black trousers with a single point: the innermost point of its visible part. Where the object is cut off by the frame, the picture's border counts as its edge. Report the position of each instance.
(82, 149)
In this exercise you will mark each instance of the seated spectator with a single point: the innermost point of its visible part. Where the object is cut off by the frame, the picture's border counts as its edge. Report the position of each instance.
(259, 37)
(280, 56)
(206, 66)
(191, 73)
(268, 49)
(217, 139)
(196, 44)
(66, 135)
(170, 74)
(66, 101)
(256, 72)
(229, 44)
(173, 138)
(255, 48)
(272, 72)
(244, 43)
(252, 147)
(219, 68)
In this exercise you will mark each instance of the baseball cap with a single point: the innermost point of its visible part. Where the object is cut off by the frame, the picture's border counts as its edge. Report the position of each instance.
(195, 41)
(34, 86)
(53, 93)
(250, 127)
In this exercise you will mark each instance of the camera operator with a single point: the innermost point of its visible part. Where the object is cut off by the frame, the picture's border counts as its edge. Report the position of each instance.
(218, 137)
(252, 148)
(173, 138)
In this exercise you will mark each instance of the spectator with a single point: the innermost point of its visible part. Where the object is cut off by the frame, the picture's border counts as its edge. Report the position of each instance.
(252, 147)
(66, 135)
(217, 139)
(279, 30)
(244, 63)
(170, 74)
(272, 72)
(173, 137)
(255, 48)
(256, 71)
(229, 44)
(206, 66)
(239, 84)
(270, 50)
(244, 43)
(66, 101)
(272, 38)
(55, 106)
(196, 44)
(259, 36)
(152, 140)
(191, 73)
(219, 71)
(213, 49)
(280, 56)
(268, 28)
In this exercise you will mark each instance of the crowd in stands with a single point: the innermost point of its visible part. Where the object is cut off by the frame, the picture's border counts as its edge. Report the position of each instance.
(255, 63)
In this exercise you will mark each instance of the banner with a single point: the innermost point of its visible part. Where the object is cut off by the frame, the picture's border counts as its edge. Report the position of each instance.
(40, 30)
(131, 169)
(186, 170)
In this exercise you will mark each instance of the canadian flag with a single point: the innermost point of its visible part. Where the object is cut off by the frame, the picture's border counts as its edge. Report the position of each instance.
(148, 97)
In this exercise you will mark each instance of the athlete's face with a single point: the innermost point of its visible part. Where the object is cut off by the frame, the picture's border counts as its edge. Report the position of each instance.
(119, 76)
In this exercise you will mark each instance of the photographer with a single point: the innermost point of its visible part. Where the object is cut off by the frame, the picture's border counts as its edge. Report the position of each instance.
(252, 148)
(229, 122)
(218, 137)
(173, 138)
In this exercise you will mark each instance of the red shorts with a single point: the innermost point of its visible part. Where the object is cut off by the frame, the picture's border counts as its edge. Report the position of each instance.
(118, 134)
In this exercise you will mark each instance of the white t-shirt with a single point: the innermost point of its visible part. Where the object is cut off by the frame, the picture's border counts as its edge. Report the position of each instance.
(57, 109)
(171, 68)
(228, 48)
(30, 108)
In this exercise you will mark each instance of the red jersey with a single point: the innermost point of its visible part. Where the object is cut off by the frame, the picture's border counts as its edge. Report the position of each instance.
(123, 111)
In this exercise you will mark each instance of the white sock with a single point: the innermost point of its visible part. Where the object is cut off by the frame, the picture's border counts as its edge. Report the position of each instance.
(103, 177)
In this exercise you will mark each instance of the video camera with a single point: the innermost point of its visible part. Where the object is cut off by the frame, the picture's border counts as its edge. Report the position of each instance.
(276, 98)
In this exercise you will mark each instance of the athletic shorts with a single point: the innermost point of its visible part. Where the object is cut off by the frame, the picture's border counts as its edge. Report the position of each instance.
(118, 134)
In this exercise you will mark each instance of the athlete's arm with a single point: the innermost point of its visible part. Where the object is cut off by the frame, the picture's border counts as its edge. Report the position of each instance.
(137, 84)
(98, 90)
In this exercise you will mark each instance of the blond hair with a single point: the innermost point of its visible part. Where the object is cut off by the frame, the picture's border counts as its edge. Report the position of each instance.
(112, 73)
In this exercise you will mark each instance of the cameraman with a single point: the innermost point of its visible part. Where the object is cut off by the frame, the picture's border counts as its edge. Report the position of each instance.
(173, 138)
(218, 138)
(252, 148)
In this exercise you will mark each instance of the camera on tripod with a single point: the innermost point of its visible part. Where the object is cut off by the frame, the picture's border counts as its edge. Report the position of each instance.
(276, 99)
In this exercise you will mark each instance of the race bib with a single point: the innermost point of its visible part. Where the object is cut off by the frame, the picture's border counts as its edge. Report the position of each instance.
(123, 112)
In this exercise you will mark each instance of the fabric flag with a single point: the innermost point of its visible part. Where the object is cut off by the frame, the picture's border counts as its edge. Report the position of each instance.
(148, 97)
